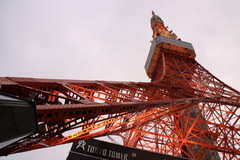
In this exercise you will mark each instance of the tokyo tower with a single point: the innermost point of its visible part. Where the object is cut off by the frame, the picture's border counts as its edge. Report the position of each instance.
(184, 111)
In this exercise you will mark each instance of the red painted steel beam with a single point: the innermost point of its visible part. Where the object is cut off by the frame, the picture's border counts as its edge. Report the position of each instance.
(66, 111)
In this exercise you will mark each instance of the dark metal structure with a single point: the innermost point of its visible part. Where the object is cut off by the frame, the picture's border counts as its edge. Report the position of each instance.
(18, 119)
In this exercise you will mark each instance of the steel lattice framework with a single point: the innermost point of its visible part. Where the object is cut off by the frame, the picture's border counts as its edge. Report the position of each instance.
(184, 111)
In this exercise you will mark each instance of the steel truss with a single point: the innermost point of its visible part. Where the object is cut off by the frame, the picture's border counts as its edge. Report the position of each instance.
(185, 111)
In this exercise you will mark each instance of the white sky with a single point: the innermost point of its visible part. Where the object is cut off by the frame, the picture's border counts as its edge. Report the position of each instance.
(110, 40)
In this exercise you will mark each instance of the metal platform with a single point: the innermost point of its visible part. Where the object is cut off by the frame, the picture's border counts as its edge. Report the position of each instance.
(161, 43)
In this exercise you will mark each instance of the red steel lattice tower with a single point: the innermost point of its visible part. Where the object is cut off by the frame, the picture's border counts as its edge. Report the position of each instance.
(184, 111)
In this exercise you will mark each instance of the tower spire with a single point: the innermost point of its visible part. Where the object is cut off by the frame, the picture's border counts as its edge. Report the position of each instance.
(158, 27)
(153, 14)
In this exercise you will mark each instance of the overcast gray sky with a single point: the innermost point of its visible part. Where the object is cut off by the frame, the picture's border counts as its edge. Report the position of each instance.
(110, 40)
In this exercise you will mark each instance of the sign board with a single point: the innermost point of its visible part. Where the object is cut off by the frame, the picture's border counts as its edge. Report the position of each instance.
(93, 149)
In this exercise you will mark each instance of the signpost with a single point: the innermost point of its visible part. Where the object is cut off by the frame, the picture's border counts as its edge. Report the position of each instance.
(93, 149)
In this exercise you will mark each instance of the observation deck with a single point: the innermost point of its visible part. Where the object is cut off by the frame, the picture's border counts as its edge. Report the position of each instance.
(161, 44)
